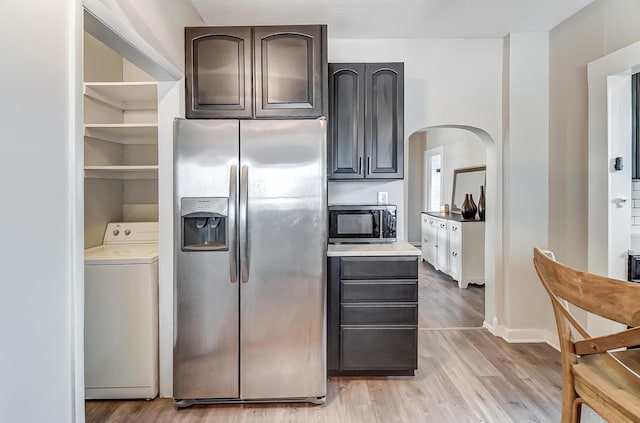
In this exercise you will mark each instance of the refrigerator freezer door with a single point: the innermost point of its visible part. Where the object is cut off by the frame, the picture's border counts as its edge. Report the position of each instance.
(206, 295)
(282, 315)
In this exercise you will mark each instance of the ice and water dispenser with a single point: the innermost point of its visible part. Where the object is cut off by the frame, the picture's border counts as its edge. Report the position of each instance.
(204, 223)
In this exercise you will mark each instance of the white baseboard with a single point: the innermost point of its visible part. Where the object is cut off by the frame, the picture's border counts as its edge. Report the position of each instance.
(522, 335)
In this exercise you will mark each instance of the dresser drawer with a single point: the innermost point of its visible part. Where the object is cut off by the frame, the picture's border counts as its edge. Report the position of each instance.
(403, 267)
(365, 348)
(381, 314)
(368, 291)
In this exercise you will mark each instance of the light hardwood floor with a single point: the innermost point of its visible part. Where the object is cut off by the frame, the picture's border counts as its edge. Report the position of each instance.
(464, 374)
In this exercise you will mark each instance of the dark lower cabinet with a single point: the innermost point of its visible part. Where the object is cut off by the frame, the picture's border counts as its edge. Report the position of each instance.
(366, 121)
(379, 348)
(372, 315)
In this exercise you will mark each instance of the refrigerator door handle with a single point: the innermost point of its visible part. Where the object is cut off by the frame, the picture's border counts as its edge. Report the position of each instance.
(244, 223)
(233, 234)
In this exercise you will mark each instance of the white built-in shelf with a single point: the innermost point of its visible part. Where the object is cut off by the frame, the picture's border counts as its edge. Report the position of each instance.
(122, 172)
(123, 133)
(124, 95)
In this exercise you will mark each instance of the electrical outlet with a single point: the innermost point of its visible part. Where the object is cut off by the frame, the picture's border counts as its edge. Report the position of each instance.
(383, 197)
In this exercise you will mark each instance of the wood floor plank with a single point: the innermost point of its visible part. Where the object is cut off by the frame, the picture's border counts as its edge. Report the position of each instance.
(443, 305)
(464, 375)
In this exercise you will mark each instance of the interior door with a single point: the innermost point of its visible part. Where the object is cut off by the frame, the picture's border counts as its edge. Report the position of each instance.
(283, 238)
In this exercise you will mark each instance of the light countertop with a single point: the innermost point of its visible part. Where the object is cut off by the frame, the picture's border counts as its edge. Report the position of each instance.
(358, 250)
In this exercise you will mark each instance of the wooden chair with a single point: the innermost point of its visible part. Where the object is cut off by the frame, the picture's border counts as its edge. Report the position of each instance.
(608, 382)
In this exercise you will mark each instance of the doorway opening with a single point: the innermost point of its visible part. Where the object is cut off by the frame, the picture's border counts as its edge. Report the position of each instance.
(434, 155)
(113, 157)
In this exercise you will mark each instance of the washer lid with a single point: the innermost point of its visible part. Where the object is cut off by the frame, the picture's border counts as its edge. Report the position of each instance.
(121, 254)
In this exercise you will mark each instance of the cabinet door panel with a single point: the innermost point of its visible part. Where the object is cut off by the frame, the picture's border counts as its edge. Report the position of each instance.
(385, 314)
(289, 71)
(401, 267)
(442, 246)
(384, 120)
(218, 68)
(346, 117)
(386, 290)
(379, 348)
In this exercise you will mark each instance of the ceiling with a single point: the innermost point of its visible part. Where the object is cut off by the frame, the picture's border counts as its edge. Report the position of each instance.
(396, 18)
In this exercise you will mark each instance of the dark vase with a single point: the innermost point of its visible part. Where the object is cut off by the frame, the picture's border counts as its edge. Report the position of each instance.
(468, 208)
(481, 203)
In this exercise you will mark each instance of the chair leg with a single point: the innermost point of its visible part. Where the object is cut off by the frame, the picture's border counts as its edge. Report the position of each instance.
(569, 398)
(576, 411)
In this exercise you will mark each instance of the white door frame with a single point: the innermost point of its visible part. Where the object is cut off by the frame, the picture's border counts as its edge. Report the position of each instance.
(100, 22)
(427, 183)
(609, 225)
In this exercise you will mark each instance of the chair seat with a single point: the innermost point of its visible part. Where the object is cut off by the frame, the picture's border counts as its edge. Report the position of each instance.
(610, 387)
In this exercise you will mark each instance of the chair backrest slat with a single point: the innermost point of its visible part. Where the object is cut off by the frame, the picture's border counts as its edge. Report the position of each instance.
(611, 298)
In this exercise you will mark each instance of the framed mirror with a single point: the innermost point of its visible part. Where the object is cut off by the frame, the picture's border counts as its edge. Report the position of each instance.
(467, 180)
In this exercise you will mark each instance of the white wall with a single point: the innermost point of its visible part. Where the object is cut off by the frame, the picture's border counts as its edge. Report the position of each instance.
(159, 22)
(461, 148)
(526, 185)
(600, 28)
(41, 244)
(416, 190)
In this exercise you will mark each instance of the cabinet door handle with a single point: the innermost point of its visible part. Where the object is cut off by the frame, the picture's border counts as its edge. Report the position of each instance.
(368, 165)
(360, 165)
(453, 253)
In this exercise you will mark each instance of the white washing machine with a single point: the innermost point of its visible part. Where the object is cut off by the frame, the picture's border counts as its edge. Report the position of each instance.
(121, 313)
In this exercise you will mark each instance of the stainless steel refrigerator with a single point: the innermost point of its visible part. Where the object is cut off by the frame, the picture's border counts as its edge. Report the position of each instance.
(250, 258)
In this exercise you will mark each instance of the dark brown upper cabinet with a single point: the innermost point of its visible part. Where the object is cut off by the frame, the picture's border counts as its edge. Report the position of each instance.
(256, 72)
(366, 121)
(218, 72)
(290, 68)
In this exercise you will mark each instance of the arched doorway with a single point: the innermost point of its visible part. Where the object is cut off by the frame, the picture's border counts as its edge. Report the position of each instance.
(493, 238)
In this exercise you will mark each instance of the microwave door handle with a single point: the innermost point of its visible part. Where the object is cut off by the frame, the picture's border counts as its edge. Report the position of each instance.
(244, 223)
(233, 234)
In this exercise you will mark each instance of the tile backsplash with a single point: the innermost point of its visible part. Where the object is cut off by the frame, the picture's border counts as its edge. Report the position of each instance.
(635, 205)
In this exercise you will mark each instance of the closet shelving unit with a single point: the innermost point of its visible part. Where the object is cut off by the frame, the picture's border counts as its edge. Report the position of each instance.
(131, 119)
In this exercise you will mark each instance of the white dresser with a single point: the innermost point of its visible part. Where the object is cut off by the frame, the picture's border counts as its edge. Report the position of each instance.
(454, 246)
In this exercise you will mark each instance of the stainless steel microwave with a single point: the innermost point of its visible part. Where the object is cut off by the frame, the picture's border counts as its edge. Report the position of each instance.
(362, 224)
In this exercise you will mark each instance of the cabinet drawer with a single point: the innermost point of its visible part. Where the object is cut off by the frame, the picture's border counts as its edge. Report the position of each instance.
(379, 348)
(380, 267)
(392, 291)
(397, 314)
